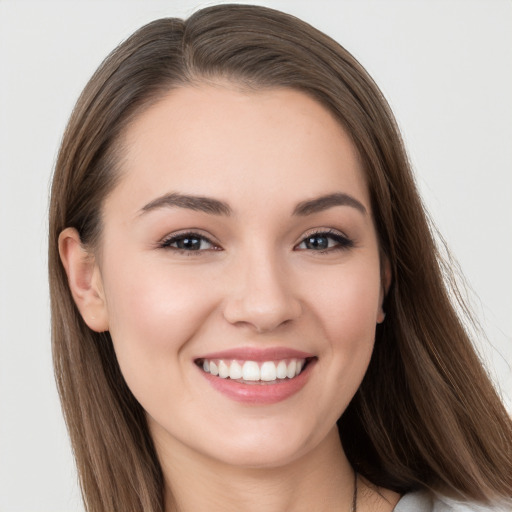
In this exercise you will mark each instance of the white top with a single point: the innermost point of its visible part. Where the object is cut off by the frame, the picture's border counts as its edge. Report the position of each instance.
(423, 501)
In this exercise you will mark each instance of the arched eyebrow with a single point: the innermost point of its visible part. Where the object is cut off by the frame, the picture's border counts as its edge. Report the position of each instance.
(322, 203)
(216, 207)
(197, 203)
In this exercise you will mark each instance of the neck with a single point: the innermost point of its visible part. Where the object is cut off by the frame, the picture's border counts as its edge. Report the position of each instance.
(321, 480)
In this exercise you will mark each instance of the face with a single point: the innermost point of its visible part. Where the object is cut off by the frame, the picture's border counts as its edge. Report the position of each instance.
(240, 272)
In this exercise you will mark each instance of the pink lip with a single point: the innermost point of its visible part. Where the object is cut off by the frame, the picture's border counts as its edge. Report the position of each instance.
(260, 393)
(258, 354)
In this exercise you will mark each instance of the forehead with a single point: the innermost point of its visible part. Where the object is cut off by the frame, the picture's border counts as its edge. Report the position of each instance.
(236, 145)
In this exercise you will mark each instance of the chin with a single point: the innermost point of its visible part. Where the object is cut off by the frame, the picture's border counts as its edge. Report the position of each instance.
(263, 458)
(266, 448)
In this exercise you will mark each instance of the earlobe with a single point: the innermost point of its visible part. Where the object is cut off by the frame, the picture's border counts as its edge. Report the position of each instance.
(84, 280)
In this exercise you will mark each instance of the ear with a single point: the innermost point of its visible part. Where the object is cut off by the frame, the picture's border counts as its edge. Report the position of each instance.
(384, 287)
(84, 280)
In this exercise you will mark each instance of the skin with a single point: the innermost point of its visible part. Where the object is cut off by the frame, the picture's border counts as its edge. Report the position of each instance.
(256, 283)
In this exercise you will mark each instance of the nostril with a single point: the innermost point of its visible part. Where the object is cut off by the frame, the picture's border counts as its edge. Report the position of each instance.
(262, 315)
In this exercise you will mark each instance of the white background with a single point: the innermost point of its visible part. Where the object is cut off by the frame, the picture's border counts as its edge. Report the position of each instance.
(444, 65)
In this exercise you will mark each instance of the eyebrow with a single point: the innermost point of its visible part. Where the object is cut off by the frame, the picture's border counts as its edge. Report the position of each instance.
(216, 207)
(322, 203)
(197, 203)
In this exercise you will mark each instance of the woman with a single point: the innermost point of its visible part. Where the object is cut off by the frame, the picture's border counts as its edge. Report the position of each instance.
(248, 307)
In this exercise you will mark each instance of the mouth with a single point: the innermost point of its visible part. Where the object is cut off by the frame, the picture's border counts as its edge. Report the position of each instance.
(257, 376)
(254, 372)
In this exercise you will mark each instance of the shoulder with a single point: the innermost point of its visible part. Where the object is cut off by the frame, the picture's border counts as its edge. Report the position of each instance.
(423, 501)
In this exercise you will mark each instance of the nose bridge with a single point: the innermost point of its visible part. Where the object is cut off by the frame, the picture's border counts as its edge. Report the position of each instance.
(262, 292)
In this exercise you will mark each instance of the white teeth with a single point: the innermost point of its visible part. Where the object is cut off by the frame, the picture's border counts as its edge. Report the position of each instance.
(266, 371)
(235, 371)
(290, 373)
(250, 371)
(281, 370)
(223, 370)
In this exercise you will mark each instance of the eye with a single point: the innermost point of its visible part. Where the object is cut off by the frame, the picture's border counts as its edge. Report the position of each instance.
(188, 242)
(325, 241)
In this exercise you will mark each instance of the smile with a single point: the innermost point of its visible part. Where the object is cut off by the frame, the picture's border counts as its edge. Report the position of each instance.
(253, 371)
(256, 376)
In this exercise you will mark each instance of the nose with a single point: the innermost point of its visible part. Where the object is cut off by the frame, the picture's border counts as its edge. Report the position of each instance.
(262, 295)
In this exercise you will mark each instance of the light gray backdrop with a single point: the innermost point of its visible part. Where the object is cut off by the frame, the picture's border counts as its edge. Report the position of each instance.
(444, 65)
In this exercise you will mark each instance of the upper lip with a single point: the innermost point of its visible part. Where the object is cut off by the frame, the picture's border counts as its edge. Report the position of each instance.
(258, 354)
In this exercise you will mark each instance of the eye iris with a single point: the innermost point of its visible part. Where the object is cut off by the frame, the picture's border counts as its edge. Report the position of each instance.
(317, 242)
(189, 243)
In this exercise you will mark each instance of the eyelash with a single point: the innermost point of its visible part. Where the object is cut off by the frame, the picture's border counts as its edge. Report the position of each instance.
(175, 238)
(342, 242)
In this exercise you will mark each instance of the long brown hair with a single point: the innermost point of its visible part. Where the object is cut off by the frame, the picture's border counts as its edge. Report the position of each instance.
(426, 414)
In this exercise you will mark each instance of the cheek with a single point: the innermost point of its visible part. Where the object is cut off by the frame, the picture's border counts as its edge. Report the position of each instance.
(348, 302)
(153, 312)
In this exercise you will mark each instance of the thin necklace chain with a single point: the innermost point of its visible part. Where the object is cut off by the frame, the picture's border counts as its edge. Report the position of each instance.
(354, 497)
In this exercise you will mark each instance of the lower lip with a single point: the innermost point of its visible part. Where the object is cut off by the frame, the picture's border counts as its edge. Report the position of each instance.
(260, 393)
